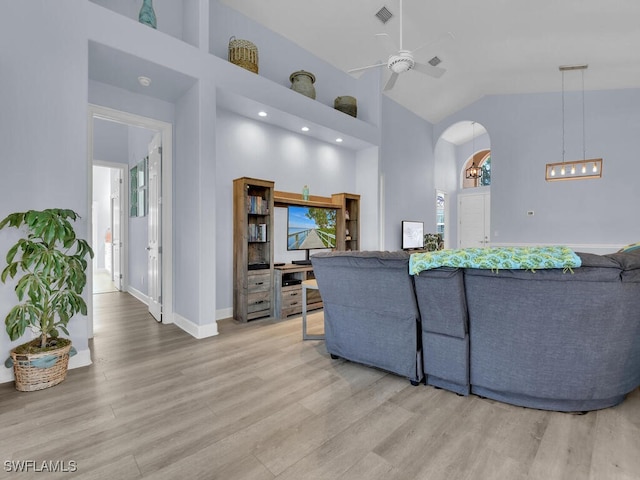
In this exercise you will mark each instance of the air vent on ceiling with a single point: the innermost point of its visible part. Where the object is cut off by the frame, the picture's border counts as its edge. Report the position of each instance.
(434, 61)
(384, 15)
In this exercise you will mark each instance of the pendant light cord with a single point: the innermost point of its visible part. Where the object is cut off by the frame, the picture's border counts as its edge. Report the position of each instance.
(562, 116)
(584, 141)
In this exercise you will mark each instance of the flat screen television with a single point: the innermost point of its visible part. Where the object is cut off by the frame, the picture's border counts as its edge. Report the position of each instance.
(412, 235)
(311, 228)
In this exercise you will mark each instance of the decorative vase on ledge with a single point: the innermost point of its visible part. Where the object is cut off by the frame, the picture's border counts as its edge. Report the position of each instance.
(302, 82)
(346, 104)
(147, 15)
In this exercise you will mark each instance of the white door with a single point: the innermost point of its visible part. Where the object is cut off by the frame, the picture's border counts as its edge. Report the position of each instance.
(154, 247)
(116, 227)
(474, 225)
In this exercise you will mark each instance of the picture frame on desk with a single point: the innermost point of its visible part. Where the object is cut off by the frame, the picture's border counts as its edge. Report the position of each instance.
(412, 235)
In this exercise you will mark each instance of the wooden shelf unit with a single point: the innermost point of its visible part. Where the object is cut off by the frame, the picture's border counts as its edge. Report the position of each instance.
(348, 225)
(252, 248)
(288, 298)
(284, 199)
(256, 293)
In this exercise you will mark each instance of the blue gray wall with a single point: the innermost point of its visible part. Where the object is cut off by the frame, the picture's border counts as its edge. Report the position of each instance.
(407, 169)
(526, 133)
(43, 125)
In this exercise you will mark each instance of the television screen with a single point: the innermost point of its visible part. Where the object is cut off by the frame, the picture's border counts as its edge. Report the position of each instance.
(412, 235)
(311, 227)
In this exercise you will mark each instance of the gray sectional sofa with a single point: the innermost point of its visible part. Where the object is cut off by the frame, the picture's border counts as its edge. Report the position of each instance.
(554, 340)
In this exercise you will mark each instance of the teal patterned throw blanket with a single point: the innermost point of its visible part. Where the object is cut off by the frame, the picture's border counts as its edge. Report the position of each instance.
(505, 258)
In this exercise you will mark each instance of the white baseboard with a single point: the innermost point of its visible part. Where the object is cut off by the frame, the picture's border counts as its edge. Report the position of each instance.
(224, 313)
(197, 331)
(138, 294)
(81, 359)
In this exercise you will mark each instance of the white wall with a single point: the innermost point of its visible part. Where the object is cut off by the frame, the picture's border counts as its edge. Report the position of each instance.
(102, 212)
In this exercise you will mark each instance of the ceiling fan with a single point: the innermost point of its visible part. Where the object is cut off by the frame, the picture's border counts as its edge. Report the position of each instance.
(401, 60)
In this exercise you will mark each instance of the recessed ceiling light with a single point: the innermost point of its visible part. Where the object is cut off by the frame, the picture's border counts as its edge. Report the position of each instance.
(305, 129)
(339, 140)
(262, 114)
(144, 81)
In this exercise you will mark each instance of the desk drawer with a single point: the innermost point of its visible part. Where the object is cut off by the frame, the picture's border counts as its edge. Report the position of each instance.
(292, 297)
(259, 301)
(258, 282)
(313, 296)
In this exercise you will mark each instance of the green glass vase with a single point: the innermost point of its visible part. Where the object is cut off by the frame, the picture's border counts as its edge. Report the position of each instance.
(147, 15)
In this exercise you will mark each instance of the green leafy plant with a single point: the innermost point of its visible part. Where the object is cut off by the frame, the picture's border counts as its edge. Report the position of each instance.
(52, 263)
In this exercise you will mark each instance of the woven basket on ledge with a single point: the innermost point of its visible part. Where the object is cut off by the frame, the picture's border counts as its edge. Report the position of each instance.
(30, 378)
(244, 54)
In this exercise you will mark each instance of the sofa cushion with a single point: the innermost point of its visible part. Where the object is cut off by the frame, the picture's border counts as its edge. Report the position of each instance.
(630, 263)
(369, 280)
(441, 301)
(370, 311)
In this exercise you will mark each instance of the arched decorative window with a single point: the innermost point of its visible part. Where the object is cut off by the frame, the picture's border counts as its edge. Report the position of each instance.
(485, 166)
(482, 159)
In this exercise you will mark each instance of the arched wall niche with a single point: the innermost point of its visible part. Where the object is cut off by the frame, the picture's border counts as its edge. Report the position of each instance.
(453, 153)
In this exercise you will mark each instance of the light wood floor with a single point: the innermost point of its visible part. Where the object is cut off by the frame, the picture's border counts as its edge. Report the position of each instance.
(256, 402)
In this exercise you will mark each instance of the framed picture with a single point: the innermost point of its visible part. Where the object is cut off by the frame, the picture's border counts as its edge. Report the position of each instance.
(138, 191)
(412, 235)
(133, 191)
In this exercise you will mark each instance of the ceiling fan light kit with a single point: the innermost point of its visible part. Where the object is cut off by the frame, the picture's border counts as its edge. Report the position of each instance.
(402, 62)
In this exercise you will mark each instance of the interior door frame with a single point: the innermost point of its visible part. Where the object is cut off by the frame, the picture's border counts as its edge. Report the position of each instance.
(154, 248)
(124, 206)
(166, 129)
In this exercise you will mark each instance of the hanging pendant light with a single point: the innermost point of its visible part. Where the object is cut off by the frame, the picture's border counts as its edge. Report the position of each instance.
(568, 170)
(474, 171)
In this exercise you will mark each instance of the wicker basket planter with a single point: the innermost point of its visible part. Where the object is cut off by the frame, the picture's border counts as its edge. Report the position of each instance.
(244, 54)
(37, 371)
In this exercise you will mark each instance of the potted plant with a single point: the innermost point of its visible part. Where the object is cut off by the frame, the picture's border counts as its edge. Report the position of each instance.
(50, 263)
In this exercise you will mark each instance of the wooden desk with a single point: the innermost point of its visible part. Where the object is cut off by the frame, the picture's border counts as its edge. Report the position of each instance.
(288, 290)
(308, 285)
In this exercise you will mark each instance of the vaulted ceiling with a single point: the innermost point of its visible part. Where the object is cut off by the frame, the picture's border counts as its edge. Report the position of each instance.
(500, 46)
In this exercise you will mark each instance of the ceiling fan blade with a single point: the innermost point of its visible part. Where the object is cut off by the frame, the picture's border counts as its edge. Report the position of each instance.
(440, 39)
(391, 82)
(389, 45)
(359, 69)
(435, 72)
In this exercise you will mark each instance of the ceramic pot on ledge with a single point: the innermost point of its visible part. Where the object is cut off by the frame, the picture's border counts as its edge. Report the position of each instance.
(302, 82)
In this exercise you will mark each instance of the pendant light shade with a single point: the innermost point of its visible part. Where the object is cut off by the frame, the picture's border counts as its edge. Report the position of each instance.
(575, 169)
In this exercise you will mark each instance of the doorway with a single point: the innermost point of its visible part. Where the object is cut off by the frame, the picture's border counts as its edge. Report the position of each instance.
(160, 266)
(475, 222)
(109, 228)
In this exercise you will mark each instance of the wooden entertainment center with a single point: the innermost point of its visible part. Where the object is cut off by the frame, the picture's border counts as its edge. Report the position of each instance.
(261, 289)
